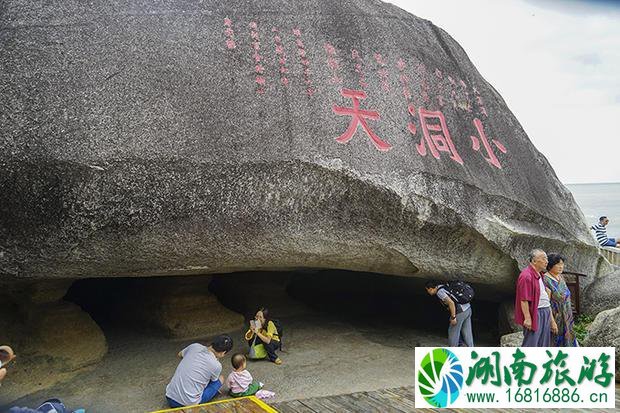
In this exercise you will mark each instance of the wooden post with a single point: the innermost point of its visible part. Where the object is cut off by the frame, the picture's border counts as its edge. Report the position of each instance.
(572, 282)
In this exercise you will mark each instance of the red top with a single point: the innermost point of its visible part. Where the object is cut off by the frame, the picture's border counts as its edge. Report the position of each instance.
(528, 289)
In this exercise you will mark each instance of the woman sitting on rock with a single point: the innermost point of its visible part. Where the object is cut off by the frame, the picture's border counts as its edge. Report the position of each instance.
(263, 331)
(560, 302)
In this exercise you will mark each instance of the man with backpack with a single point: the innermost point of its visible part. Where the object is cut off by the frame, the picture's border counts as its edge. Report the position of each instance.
(456, 295)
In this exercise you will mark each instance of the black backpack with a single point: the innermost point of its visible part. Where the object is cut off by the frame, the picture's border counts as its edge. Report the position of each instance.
(459, 291)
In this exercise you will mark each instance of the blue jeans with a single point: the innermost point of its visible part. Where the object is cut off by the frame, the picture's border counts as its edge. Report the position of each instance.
(207, 394)
(611, 242)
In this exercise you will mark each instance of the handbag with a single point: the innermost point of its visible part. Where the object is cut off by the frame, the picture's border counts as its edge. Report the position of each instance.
(257, 351)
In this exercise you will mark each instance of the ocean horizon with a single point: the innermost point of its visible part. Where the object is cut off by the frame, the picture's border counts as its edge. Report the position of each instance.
(597, 199)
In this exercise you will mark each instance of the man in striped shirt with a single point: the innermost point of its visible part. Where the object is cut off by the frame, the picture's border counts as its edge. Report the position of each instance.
(601, 234)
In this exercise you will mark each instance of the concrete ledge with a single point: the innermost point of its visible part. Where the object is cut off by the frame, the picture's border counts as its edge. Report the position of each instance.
(612, 254)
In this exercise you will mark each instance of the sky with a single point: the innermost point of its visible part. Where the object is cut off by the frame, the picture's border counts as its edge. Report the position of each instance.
(556, 63)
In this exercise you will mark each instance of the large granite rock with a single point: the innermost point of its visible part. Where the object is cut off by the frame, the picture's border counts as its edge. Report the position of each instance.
(53, 339)
(605, 332)
(179, 138)
(179, 308)
(602, 294)
(506, 318)
(511, 340)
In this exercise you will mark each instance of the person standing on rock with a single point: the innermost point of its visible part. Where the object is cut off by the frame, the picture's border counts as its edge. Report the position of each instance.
(561, 307)
(601, 234)
(197, 378)
(456, 296)
(532, 305)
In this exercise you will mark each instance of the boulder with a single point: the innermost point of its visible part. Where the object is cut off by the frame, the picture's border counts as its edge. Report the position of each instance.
(506, 318)
(605, 332)
(219, 137)
(512, 339)
(53, 339)
(602, 294)
(180, 307)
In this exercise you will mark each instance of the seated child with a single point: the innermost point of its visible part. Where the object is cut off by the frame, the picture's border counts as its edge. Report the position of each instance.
(240, 382)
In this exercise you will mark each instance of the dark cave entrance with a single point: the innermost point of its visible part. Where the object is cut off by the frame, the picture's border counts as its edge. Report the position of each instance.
(365, 300)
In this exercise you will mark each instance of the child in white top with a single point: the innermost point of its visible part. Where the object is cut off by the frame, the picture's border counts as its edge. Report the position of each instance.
(240, 382)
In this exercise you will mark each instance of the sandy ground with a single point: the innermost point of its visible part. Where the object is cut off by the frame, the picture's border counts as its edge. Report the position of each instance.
(324, 355)
(343, 345)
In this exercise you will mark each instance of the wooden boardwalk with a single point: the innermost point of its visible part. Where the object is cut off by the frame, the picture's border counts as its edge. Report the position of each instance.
(399, 400)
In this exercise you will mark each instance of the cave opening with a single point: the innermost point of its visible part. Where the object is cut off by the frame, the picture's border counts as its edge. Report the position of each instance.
(368, 301)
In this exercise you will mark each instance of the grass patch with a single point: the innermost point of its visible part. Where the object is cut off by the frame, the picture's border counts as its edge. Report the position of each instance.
(582, 322)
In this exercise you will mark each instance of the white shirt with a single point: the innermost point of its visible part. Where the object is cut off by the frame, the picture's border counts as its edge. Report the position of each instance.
(442, 294)
(543, 302)
(197, 368)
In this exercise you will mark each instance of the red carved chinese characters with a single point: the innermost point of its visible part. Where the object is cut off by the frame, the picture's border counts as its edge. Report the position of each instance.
(229, 33)
(427, 91)
(382, 72)
(491, 158)
(305, 63)
(480, 102)
(333, 64)
(259, 69)
(359, 68)
(467, 103)
(421, 70)
(358, 117)
(280, 56)
(403, 78)
(411, 126)
(436, 136)
(440, 98)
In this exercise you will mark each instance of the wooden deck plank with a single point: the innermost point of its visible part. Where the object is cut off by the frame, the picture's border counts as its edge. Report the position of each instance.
(396, 400)
(393, 400)
(338, 404)
(378, 406)
(294, 406)
(354, 403)
(405, 392)
(314, 404)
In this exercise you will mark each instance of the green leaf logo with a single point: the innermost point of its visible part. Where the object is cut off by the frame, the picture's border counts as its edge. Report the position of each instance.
(440, 377)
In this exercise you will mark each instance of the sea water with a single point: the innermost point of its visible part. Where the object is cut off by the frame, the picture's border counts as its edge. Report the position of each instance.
(596, 200)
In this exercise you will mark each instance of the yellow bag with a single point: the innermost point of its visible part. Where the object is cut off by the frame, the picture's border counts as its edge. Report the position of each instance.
(257, 351)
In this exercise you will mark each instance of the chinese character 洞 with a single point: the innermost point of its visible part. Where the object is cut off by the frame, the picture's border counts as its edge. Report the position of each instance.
(358, 117)
(491, 157)
(436, 136)
(561, 376)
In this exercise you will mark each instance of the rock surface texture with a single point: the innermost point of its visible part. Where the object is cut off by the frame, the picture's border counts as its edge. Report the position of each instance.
(179, 138)
(53, 339)
(181, 308)
(605, 332)
(512, 339)
(603, 293)
(506, 318)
